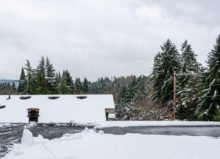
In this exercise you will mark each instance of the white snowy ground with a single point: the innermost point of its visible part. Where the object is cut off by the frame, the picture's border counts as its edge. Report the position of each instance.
(154, 123)
(91, 145)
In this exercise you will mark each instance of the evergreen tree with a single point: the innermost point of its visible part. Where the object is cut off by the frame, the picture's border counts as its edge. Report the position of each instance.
(14, 87)
(166, 63)
(8, 85)
(189, 63)
(132, 92)
(122, 101)
(187, 100)
(50, 77)
(187, 84)
(64, 89)
(85, 86)
(68, 81)
(41, 78)
(78, 86)
(209, 98)
(22, 82)
(141, 88)
(30, 78)
(94, 88)
(57, 84)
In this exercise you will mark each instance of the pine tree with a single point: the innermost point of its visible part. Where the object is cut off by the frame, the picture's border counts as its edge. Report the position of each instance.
(57, 84)
(78, 86)
(50, 77)
(209, 98)
(187, 83)
(132, 92)
(30, 78)
(141, 90)
(187, 100)
(165, 64)
(122, 96)
(64, 89)
(8, 85)
(189, 63)
(22, 82)
(13, 86)
(85, 86)
(41, 78)
(68, 81)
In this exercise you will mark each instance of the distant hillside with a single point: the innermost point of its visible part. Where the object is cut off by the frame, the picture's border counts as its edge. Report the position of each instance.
(10, 81)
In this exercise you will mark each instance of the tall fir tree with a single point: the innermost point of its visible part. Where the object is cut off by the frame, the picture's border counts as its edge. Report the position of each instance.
(122, 96)
(64, 89)
(50, 77)
(132, 92)
(41, 77)
(8, 85)
(209, 97)
(166, 63)
(78, 86)
(30, 87)
(13, 87)
(85, 86)
(141, 88)
(57, 84)
(68, 81)
(22, 82)
(190, 65)
(187, 83)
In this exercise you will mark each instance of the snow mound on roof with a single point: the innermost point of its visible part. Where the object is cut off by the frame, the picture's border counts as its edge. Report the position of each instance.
(66, 108)
(27, 137)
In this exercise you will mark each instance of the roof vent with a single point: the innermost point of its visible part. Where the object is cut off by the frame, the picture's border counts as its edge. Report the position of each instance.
(81, 97)
(53, 97)
(9, 97)
(25, 97)
(2, 106)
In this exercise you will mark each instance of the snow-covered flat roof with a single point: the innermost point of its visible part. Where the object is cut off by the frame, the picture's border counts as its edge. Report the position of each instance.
(66, 108)
(154, 123)
(92, 145)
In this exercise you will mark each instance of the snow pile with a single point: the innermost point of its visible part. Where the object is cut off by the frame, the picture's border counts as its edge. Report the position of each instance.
(90, 144)
(27, 138)
(154, 123)
(61, 110)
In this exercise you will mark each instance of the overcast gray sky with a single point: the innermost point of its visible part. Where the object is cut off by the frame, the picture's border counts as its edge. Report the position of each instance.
(94, 38)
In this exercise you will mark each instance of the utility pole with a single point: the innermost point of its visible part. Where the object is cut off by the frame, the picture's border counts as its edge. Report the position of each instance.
(174, 95)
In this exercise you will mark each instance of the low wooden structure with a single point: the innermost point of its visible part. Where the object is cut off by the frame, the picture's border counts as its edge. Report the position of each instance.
(109, 111)
(33, 114)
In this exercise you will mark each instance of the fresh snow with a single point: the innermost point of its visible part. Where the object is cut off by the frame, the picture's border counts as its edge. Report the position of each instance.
(27, 138)
(92, 145)
(105, 124)
(154, 123)
(64, 109)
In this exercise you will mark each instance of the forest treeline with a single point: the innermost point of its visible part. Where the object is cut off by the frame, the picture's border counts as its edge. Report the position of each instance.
(143, 97)
(198, 88)
(45, 80)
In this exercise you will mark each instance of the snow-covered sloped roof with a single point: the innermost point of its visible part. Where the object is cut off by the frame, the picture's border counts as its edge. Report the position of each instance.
(66, 108)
